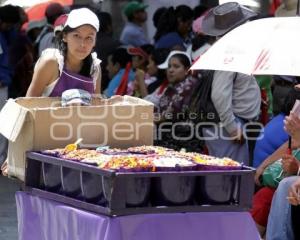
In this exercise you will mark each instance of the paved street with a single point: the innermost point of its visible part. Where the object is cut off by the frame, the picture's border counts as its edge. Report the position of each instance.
(8, 213)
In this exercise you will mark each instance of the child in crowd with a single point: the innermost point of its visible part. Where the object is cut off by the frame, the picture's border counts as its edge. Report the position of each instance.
(119, 71)
(140, 59)
(154, 79)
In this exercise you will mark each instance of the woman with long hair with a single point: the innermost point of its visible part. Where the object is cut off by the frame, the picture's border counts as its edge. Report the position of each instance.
(72, 64)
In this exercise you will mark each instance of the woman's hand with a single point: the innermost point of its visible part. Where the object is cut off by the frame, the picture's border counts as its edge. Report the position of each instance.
(292, 126)
(258, 174)
(139, 83)
(139, 77)
(238, 136)
(290, 164)
(294, 193)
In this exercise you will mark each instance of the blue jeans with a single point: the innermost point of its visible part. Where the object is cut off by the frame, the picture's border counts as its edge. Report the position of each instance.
(279, 222)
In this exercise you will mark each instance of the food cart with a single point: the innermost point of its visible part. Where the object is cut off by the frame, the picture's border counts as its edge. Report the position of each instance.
(73, 198)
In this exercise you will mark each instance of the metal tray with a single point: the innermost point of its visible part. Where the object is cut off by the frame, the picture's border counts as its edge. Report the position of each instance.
(123, 193)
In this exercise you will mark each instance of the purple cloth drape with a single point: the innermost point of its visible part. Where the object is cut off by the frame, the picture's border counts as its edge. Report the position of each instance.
(42, 219)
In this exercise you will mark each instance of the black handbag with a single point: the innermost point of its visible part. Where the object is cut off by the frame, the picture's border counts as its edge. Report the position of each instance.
(202, 108)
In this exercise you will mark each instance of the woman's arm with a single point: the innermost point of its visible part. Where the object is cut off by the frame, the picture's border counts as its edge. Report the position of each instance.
(269, 160)
(45, 72)
(293, 194)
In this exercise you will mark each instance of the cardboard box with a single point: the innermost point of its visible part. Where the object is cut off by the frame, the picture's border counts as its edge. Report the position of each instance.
(41, 123)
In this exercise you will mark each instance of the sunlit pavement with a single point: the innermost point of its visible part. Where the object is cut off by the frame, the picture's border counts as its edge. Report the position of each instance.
(8, 211)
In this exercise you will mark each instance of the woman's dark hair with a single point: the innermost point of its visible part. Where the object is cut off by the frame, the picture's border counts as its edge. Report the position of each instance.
(157, 15)
(168, 21)
(199, 10)
(105, 20)
(53, 11)
(10, 14)
(184, 13)
(158, 56)
(62, 46)
(290, 100)
(121, 56)
(148, 48)
(183, 59)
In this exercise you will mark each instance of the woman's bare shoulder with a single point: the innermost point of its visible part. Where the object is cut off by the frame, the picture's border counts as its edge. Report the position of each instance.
(48, 62)
(50, 56)
(46, 69)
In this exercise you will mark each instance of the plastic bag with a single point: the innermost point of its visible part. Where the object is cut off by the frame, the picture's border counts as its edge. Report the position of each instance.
(274, 173)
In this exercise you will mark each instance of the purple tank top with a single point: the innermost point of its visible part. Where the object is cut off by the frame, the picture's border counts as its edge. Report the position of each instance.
(69, 80)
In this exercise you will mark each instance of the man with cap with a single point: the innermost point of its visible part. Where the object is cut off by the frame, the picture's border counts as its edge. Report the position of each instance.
(236, 96)
(45, 39)
(133, 33)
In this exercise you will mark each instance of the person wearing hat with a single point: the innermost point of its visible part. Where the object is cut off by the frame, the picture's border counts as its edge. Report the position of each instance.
(73, 65)
(153, 79)
(58, 27)
(133, 34)
(175, 94)
(45, 39)
(139, 60)
(236, 96)
(171, 101)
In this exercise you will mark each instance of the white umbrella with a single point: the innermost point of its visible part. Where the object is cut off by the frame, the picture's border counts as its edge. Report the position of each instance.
(264, 46)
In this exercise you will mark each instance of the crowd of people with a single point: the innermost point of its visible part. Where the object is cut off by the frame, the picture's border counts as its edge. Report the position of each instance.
(64, 51)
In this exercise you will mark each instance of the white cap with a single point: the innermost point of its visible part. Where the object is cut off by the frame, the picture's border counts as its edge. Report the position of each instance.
(82, 16)
(165, 64)
(75, 96)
